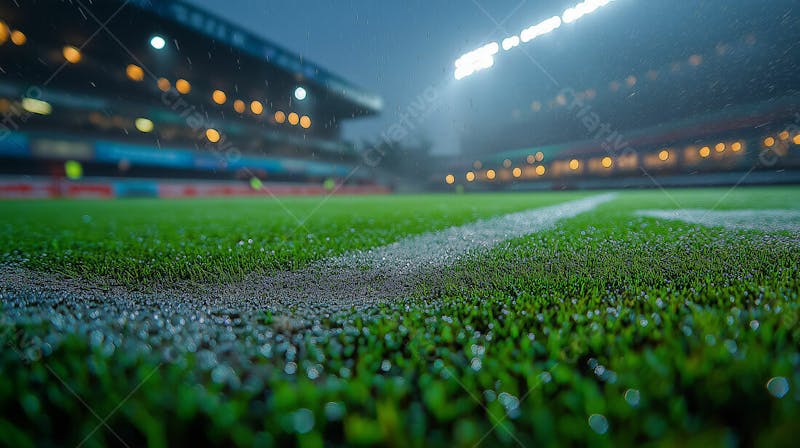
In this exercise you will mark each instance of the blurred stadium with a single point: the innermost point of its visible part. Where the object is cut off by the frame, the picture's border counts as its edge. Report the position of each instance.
(679, 94)
(187, 104)
(592, 236)
(191, 105)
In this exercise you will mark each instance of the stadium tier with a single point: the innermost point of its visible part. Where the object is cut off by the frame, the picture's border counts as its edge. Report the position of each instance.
(711, 149)
(173, 96)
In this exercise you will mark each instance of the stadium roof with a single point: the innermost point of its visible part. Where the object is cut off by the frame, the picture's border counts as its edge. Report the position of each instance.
(217, 28)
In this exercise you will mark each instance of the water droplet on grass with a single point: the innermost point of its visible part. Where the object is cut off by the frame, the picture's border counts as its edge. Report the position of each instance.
(334, 411)
(778, 387)
(303, 421)
(632, 397)
(476, 364)
(598, 423)
(508, 401)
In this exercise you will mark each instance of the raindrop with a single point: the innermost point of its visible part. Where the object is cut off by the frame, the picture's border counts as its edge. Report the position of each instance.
(476, 364)
(632, 397)
(334, 411)
(598, 423)
(477, 350)
(508, 401)
(303, 421)
(778, 387)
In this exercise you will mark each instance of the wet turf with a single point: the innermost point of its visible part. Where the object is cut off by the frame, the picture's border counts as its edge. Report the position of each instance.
(135, 241)
(610, 329)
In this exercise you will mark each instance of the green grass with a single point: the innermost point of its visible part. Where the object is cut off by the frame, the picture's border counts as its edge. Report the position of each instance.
(665, 331)
(144, 240)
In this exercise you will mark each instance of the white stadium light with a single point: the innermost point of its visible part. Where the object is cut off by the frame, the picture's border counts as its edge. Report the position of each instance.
(581, 9)
(483, 57)
(476, 60)
(540, 29)
(510, 42)
(157, 42)
(300, 93)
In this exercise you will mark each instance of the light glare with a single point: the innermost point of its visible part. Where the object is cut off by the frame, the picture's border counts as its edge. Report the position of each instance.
(581, 9)
(510, 42)
(540, 29)
(158, 42)
(476, 60)
(483, 57)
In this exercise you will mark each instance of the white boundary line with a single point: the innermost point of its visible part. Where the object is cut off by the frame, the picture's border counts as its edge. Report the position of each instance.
(356, 280)
(763, 220)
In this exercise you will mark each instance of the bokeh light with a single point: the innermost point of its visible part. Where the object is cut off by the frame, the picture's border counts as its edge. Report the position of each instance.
(134, 72)
(73, 169)
(183, 86)
(71, 54)
(219, 97)
(212, 135)
(143, 125)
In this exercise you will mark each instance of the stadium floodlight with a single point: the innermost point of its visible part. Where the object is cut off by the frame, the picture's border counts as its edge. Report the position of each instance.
(510, 42)
(157, 42)
(300, 93)
(478, 57)
(462, 72)
(540, 29)
(483, 57)
(581, 9)
(476, 60)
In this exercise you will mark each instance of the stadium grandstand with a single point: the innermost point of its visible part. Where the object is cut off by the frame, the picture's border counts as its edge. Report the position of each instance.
(175, 102)
(665, 94)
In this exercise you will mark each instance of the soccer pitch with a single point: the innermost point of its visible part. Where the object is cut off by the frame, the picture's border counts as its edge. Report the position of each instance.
(522, 319)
